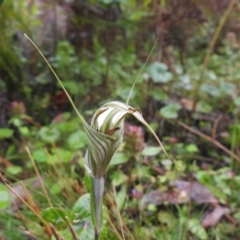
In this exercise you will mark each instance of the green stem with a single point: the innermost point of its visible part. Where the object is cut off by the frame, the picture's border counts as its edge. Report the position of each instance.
(96, 204)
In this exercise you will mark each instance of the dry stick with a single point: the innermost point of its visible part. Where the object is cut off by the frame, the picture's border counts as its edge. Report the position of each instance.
(209, 51)
(30, 235)
(214, 141)
(56, 235)
(230, 218)
(78, 188)
(39, 177)
(134, 83)
(28, 197)
(72, 230)
(118, 211)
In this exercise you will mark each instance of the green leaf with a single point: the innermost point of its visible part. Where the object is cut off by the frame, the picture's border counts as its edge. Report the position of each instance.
(151, 207)
(72, 86)
(77, 140)
(4, 197)
(237, 101)
(49, 135)
(17, 122)
(211, 90)
(179, 166)
(218, 192)
(124, 92)
(191, 148)
(81, 208)
(158, 95)
(40, 155)
(14, 170)
(25, 131)
(170, 111)
(60, 154)
(81, 218)
(1, 1)
(159, 73)
(204, 177)
(204, 107)
(118, 178)
(135, 16)
(151, 151)
(118, 158)
(227, 88)
(11, 150)
(121, 196)
(235, 135)
(5, 133)
(56, 216)
(69, 126)
(196, 229)
(167, 218)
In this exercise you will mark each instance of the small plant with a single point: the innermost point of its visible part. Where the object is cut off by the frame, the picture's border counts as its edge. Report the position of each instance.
(105, 134)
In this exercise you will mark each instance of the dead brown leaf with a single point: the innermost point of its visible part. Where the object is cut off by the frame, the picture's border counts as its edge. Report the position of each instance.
(182, 193)
(212, 218)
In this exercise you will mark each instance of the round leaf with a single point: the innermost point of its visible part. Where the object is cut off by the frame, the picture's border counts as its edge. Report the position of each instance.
(170, 111)
(49, 135)
(159, 73)
(40, 155)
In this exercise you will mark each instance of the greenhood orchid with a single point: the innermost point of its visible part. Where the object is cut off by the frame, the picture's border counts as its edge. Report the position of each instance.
(105, 135)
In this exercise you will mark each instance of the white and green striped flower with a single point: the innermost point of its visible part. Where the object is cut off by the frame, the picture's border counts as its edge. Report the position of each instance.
(106, 135)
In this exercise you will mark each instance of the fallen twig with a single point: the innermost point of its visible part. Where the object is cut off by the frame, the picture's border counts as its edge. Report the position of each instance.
(210, 139)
